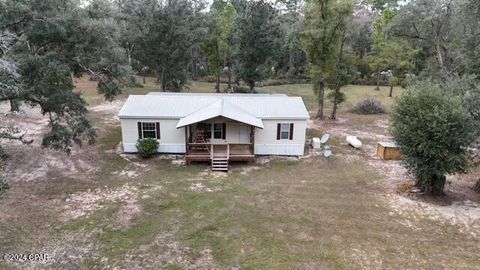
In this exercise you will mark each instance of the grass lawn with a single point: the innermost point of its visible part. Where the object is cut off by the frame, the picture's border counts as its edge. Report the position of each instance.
(309, 213)
(354, 92)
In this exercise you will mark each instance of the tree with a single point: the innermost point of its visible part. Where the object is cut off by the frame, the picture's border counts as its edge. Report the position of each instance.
(447, 31)
(219, 44)
(325, 22)
(256, 32)
(467, 88)
(291, 59)
(433, 131)
(9, 73)
(388, 52)
(360, 38)
(168, 34)
(344, 74)
(55, 40)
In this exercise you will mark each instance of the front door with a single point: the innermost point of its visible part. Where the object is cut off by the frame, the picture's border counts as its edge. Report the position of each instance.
(243, 133)
(218, 132)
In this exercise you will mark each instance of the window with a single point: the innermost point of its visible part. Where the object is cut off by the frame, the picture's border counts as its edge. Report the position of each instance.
(218, 131)
(148, 130)
(285, 132)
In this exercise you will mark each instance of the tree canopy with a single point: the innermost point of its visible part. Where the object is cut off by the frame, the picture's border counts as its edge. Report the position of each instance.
(433, 131)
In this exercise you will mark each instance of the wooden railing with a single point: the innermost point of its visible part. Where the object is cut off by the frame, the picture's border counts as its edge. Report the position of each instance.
(222, 150)
(199, 148)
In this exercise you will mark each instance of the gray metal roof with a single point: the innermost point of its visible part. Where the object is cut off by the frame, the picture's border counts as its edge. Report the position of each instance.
(220, 108)
(244, 106)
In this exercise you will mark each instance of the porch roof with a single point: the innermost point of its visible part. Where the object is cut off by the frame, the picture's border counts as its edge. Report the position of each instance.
(220, 108)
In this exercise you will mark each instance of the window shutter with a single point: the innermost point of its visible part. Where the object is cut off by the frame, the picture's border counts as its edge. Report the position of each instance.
(224, 133)
(157, 127)
(139, 124)
(291, 131)
(279, 126)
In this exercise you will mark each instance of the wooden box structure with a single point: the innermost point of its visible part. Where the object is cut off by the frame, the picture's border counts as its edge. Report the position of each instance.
(388, 151)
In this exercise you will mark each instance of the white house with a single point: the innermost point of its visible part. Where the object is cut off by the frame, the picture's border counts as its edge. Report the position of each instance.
(217, 127)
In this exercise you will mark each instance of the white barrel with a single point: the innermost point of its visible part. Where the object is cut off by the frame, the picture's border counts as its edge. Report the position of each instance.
(353, 141)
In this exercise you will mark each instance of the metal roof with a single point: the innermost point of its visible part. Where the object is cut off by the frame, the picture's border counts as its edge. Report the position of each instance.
(247, 107)
(220, 108)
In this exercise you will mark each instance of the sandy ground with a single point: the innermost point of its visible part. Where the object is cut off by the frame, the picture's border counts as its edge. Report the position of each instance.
(31, 166)
(461, 205)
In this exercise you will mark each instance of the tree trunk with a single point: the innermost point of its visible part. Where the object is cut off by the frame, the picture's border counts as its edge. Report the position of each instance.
(391, 91)
(433, 185)
(378, 80)
(333, 116)
(229, 77)
(14, 105)
(252, 86)
(338, 82)
(161, 80)
(476, 188)
(321, 95)
(217, 83)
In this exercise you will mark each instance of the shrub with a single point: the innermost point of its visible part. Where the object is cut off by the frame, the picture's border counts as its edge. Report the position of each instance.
(147, 147)
(3, 153)
(3, 185)
(433, 131)
(369, 106)
(241, 89)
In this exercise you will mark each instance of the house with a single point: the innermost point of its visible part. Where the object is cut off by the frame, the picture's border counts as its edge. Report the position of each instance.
(216, 127)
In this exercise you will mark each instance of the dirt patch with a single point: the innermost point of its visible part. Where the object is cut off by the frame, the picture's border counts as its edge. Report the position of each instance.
(465, 213)
(267, 159)
(108, 111)
(128, 212)
(246, 169)
(83, 203)
(28, 163)
(68, 250)
(29, 121)
(200, 188)
(209, 174)
(165, 252)
(460, 206)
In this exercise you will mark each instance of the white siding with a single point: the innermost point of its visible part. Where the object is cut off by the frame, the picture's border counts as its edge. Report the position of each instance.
(266, 142)
(238, 133)
(171, 140)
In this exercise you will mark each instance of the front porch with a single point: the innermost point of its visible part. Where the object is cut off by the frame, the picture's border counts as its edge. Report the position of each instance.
(220, 133)
(219, 141)
(211, 151)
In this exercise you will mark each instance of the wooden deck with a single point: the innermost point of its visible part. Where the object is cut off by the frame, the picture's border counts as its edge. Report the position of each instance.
(208, 151)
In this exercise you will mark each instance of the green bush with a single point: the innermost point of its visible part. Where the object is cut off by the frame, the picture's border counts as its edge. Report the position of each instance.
(240, 89)
(3, 185)
(147, 147)
(433, 131)
(369, 106)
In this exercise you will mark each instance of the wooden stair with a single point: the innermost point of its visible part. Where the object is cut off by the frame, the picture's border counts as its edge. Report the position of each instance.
(200, 138)
(220, 164)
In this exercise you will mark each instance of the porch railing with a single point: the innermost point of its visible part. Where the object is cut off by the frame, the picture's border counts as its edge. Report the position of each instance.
(219, 150)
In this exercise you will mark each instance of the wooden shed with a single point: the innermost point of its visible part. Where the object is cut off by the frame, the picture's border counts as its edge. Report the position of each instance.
(388, 151)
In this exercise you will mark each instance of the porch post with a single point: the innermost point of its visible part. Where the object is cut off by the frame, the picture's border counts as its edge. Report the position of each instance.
(252, 139)
(186, 140)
